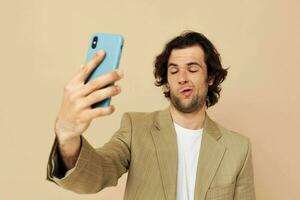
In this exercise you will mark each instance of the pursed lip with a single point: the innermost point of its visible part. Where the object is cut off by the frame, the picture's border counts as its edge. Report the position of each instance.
(183, 89)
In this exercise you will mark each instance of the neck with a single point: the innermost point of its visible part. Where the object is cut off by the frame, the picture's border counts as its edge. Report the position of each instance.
(193, 120)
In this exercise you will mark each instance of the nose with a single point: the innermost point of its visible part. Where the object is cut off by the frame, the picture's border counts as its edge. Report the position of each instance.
(182, 77)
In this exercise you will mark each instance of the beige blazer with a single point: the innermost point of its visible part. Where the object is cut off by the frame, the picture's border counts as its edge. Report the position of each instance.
(145, 146)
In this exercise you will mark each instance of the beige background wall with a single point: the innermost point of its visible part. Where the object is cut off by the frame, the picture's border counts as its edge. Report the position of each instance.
(43, 43)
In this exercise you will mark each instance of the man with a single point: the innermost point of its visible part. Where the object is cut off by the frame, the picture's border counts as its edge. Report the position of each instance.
(178, 153)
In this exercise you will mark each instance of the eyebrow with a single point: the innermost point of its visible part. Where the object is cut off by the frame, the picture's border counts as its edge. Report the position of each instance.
(189, 64)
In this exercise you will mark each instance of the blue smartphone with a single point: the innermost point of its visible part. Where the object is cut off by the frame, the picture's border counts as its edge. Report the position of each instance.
(112, 44)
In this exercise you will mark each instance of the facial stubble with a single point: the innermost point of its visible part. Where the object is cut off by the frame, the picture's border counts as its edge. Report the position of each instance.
(197, 102)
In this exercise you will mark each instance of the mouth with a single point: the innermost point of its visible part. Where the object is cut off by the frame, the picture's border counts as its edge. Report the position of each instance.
(186, 91)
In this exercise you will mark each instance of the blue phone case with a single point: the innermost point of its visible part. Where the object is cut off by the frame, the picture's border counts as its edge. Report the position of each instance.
(112, 45)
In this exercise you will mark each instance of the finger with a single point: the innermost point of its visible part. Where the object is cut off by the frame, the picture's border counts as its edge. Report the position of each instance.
(100, 82)
(98, 112)
(101, 94)
(86, 69)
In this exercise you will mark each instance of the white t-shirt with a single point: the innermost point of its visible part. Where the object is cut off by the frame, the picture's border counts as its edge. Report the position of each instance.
(189, 142)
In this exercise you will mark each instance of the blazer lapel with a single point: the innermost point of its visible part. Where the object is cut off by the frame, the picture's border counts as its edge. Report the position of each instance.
(164, 137)
(211, 154)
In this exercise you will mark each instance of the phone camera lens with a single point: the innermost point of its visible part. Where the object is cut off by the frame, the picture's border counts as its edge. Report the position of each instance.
(94, 42)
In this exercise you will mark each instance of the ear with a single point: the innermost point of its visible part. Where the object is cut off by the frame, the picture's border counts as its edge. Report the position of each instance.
(166, 87)
(211, 80)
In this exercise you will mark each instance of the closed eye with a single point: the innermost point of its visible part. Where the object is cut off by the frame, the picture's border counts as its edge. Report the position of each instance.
(173, 71)
(193, 69)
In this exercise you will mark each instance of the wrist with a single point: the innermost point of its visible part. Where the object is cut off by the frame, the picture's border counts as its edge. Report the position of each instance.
(69, 147)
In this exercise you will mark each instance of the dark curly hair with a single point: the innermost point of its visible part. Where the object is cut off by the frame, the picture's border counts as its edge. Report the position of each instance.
(212, 60)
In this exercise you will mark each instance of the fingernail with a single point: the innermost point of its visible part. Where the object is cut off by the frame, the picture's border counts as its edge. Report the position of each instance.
(113, 108)
(100, 53)
(120, 73)
(118, 88)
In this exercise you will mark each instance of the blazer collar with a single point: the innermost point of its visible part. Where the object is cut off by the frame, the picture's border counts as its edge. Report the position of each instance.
(210, 156)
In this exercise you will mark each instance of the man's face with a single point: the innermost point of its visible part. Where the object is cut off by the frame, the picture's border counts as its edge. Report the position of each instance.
(187, 79)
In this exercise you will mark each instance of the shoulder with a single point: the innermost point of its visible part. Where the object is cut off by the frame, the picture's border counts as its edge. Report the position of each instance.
(142, 117)
(233, 140)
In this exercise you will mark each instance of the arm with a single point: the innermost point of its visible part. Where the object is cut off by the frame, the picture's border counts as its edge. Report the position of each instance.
(95, 169)
(244, 189)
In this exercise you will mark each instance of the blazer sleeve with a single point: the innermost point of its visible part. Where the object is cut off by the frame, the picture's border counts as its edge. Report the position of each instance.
(244, 189)
(95, 169)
